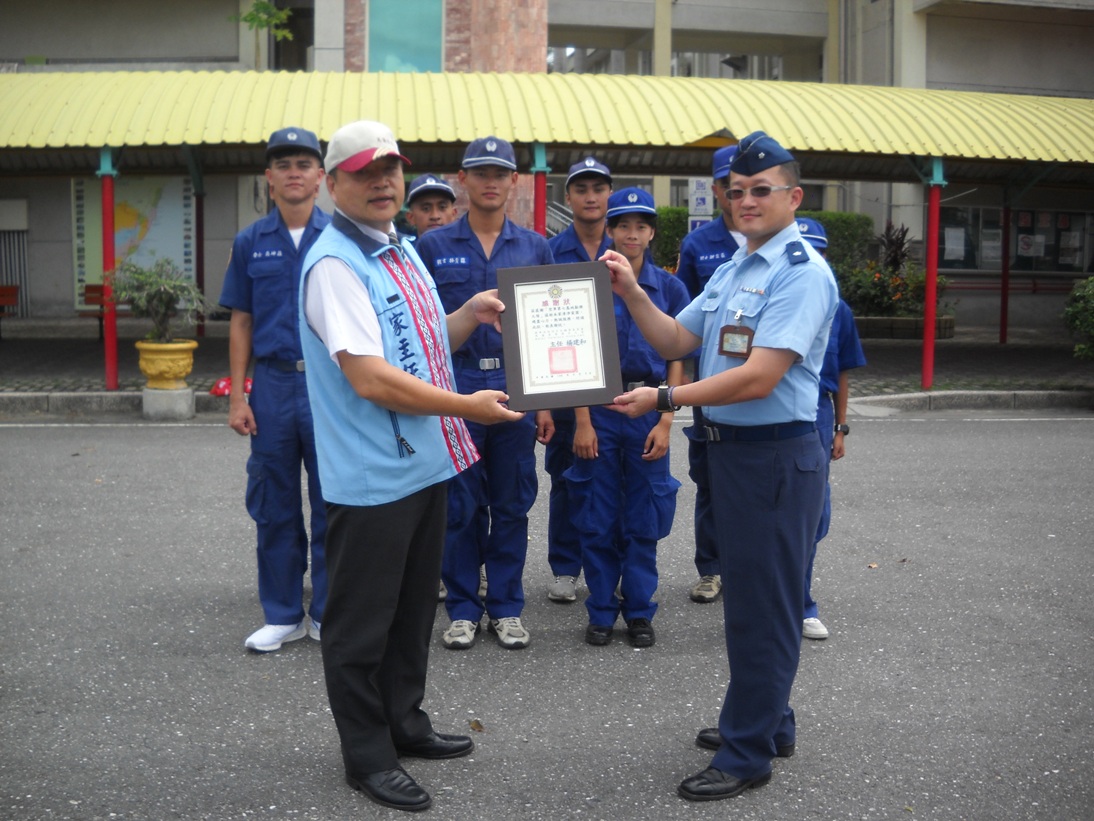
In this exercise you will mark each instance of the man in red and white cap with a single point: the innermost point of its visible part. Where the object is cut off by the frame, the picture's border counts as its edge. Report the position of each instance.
(390, 434)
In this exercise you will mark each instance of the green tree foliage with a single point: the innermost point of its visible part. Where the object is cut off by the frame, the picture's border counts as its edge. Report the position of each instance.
(1079, 316)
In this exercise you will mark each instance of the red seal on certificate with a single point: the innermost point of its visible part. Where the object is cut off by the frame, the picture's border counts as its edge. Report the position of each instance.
(562, 359)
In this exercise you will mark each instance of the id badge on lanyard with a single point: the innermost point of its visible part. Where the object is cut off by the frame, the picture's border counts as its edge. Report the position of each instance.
(735, 340)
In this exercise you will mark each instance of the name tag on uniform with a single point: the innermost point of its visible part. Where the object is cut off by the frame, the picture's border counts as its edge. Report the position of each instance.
(735, 340)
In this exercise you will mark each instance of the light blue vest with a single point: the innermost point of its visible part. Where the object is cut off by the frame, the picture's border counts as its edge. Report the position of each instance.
(369, 455)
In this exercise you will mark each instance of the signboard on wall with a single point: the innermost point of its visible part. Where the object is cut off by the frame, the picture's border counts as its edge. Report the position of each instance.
(153, 218)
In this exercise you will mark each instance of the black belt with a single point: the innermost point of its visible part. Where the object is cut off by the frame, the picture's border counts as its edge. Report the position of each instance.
(489, 363)
(630, 383)
(757, 433)
(286, 365)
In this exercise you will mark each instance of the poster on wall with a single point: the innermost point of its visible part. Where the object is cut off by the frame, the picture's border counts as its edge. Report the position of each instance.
(153, 218)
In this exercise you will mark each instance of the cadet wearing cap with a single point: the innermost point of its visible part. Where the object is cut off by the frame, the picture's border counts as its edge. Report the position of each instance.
(763, 320)
(430, 203)
(489, 504)
(623, 496)
(844, 353)
(377, 346)
(260, 287)
(588, 185)
(702, 252)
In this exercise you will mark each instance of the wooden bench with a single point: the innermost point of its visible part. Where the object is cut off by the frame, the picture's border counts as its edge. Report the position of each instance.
(9, 301)
(93, 295)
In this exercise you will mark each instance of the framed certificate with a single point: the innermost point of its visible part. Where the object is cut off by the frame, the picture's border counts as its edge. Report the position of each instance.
(558, 335)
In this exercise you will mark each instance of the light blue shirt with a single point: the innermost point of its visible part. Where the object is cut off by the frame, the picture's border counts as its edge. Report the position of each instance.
(786, 294)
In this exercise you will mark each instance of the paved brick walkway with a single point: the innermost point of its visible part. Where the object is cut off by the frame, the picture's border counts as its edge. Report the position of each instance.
(64, 355)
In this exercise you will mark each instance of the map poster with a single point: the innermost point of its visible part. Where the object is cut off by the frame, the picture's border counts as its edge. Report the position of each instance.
(153, 218)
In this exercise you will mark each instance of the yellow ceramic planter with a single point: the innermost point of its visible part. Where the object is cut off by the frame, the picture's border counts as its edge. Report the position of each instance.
(167, 364)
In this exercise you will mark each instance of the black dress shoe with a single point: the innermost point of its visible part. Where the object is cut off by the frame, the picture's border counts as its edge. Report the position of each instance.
(392, 788)
(709, 739)
(598, 635)
(438, 745)
(640, 633)
(714, 785)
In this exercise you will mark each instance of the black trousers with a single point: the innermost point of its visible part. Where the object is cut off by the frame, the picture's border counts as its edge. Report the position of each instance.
(383, 566)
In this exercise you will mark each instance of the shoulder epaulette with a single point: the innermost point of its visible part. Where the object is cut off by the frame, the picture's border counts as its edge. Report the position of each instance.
(795, 252)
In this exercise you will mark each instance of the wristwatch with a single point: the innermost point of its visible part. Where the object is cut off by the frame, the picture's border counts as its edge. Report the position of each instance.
(845, 429)
(664, 399)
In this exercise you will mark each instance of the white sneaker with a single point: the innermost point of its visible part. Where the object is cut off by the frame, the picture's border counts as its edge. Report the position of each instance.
(442, 592)
(270, 637)
(313, 628)
(461, 634)
(482, 582)
(563, 589)
(706, 589)
(814, 629)
(510, 632)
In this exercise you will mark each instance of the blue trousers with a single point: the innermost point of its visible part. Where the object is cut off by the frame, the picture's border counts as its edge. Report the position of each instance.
(563, 545)
(770, 496)
(622, 505)
(488, 508)
(826, 429)
(706, 548)
(285, 439)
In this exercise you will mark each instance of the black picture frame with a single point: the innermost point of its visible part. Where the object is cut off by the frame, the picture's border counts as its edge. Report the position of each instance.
(581, 367)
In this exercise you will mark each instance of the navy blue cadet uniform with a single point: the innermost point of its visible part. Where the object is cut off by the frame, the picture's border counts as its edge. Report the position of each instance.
(489, 503)
(563, 546)
(702, 252)
(844, 353)
(263, 279)
(623, 504)
(763, 319)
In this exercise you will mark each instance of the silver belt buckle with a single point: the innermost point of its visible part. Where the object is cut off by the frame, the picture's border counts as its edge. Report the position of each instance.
(300, 366)
(489, 364)
(634, 385)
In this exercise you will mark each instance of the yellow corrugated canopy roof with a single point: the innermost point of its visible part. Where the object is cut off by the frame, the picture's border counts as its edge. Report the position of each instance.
(88, 110)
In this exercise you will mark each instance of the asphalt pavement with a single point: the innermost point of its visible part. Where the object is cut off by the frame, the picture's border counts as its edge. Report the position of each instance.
(956, 683)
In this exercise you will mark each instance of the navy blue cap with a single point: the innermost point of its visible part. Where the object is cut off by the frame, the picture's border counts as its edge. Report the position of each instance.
(297, 139)
(630, 201)
(813, 233)
(758, 152)
(489, 151)
(427, 184)
(722, 158)
(588, 167)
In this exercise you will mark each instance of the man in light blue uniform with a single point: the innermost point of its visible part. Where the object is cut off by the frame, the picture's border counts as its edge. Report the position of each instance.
(763, 320)
(844, 353)
(489, 504)
(260, 287)
(588, 186)
(702, 252)
(390, 437)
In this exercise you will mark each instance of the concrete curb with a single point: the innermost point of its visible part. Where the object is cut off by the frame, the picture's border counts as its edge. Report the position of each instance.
(93, 402)
(980, 400)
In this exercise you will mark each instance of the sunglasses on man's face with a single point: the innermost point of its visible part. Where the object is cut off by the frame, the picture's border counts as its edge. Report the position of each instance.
(757, 191)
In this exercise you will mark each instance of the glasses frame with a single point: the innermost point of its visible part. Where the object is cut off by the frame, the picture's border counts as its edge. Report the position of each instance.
(738, 194)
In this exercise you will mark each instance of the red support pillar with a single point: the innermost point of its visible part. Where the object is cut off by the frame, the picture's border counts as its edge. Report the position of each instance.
(110, 316)
(1004, 279)
(930, 297)
(540, 171)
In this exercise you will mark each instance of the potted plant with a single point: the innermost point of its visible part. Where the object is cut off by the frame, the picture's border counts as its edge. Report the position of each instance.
(161, 292)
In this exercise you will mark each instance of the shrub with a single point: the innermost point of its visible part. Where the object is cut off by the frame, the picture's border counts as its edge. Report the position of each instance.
(1079, 316)
(672, 227)
(849, 238)
(158, 293)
